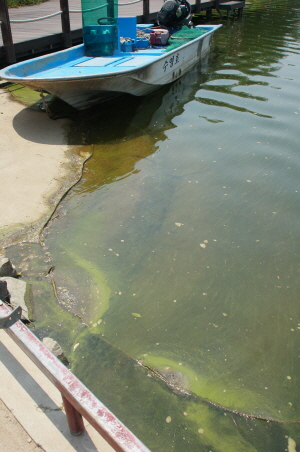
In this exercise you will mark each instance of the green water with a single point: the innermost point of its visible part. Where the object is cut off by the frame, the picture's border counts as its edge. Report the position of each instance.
(180, 249)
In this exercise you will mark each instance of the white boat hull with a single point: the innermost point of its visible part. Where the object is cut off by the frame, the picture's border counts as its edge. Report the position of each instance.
(82, 89)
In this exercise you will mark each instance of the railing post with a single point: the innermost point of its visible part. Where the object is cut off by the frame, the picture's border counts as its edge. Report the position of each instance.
(198, 6)
(74, 418)
(65, 23)
(217, 6)
(209, 14)
(146, 11)
(110, 9)
(8, 44)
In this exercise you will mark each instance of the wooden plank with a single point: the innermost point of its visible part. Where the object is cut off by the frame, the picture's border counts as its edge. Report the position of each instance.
(231, 5)
(41, 45)
(203, 6)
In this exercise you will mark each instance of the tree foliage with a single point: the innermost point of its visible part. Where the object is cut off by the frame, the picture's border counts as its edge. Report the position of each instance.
(17, 3)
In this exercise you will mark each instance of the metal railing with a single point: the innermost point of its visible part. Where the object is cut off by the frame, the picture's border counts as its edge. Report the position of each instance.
(20, 21)
(78, 401)
(64, 12)
(64, 39)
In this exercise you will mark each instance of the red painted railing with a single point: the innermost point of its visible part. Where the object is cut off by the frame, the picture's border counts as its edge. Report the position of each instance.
(78, 400)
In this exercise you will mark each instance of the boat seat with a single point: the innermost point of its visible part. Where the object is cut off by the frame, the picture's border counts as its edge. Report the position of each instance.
(129, 60)
(99, 61)
(136, 60)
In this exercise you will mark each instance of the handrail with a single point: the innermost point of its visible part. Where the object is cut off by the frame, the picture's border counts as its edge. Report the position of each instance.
(78, 400)
(19, 21)
(116, 3)
(66, 36)
(5, 22)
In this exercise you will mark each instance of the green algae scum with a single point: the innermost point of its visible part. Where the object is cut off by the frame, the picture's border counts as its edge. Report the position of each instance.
(175, 292)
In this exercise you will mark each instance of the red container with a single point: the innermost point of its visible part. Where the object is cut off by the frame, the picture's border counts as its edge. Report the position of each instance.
(159, 37)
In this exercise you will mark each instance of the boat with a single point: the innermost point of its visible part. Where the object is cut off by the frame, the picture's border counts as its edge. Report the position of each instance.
(117, 56)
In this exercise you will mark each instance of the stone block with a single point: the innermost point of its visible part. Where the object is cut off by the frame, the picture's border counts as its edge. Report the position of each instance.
(7, 268)
(4, 295)
(20, 294)
(56, 349)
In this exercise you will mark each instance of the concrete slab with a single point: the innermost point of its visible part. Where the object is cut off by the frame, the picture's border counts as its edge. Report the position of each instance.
(33, 163)
(36, 404)
(10, 428)
(37, 168)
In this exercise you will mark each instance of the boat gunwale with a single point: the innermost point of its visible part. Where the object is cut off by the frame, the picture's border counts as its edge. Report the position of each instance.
(99, 75)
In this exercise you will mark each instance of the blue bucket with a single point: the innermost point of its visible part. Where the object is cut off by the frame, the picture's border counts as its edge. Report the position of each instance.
(126, 47)
(142, 44)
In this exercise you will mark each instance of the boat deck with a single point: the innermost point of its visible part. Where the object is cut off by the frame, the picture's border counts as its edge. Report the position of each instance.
(73, 63)
(89, 66)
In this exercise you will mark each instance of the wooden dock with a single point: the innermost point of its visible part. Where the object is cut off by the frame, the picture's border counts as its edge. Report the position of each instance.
(27, 39)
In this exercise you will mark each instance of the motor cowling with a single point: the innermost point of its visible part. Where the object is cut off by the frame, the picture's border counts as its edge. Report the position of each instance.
(174, 13)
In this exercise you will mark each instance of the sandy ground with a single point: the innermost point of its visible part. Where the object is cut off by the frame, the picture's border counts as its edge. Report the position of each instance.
(35, 167)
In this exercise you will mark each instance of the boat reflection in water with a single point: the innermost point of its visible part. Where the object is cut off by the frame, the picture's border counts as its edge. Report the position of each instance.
(99, 69)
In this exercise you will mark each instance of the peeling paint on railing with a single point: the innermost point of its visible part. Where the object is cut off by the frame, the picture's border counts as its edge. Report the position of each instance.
(84, 403)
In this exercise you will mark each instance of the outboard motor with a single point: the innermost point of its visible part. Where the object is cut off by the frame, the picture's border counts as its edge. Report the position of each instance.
(174, 14)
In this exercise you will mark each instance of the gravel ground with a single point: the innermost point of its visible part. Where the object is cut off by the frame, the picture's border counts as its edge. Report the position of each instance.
(10, 428)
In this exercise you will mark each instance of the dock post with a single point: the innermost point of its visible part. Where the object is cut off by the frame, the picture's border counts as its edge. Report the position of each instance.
(8, 44)
(209, 14)
(146, 11)
(198, 6)
(65, 24)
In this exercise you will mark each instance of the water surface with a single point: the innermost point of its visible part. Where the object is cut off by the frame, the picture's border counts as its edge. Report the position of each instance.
(179, 249)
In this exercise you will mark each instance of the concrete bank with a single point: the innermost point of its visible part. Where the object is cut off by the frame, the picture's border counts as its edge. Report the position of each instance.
(36, 169)
(33, 406)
